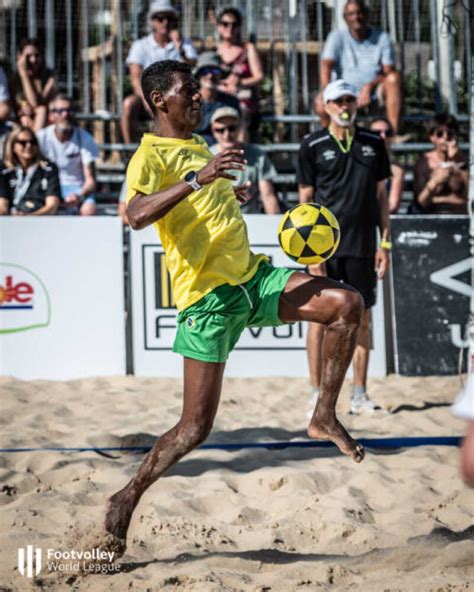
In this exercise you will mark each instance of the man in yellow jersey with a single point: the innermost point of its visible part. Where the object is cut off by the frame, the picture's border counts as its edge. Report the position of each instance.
(220, 286)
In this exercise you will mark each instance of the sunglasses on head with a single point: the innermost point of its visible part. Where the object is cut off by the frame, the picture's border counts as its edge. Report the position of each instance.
(25, 143)
(448, 134)
(63, 110)
(229, 24)
(344, 101)
(233, 127)
(209, 70)
(161, 18)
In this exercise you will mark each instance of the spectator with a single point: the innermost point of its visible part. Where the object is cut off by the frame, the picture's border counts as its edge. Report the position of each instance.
(441, 175)
(364, 57)
(163, 43)
(395, 184)
(226, 124)
(209, 73)
(6, 126)
(345, 168)
(34, 85)
(74, 151)
(29, 185)
(242, 67)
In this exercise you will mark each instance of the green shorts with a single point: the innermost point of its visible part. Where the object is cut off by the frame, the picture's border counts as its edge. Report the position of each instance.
(209, 329)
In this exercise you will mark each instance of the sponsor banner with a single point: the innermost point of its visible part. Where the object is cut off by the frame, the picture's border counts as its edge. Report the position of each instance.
(61, 297)
(267, 351)
(432, 291)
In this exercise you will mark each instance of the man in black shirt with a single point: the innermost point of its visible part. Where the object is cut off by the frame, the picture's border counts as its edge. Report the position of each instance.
(344, 168)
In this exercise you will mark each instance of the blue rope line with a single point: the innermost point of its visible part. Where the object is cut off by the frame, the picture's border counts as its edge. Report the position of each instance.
(404, 442)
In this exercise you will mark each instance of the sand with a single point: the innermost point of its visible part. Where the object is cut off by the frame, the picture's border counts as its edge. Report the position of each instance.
(250, 520)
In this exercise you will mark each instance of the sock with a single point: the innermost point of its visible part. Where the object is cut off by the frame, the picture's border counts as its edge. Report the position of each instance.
(358, 391)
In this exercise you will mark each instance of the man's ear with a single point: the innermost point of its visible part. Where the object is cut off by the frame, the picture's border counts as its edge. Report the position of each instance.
(158, 99)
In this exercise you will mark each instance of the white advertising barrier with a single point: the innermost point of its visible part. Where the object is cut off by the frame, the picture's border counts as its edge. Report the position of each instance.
(279, 351)
(61, 297)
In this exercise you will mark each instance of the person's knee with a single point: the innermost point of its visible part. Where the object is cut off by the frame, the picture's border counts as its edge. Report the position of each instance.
(88, 209)
(351, 307)
(195, 430)
(393, 79)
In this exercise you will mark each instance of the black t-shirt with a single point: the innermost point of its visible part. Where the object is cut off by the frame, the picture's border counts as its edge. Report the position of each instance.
(18, 186)
(347, 184)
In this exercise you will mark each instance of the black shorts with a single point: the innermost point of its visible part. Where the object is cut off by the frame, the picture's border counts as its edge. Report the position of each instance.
(358, 272)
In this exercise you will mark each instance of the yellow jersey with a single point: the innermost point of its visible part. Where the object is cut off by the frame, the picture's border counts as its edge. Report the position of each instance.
(204, 236)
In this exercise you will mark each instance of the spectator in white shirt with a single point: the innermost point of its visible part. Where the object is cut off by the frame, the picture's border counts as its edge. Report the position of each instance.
(74, 151)
(163, 43)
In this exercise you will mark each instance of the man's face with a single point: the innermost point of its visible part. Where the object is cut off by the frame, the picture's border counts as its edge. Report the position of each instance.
(62, 115)
(442, 137)
(355, 16)
(163, 22)
(183, 101)
(226, 130)
(342, 110)
(209, 77)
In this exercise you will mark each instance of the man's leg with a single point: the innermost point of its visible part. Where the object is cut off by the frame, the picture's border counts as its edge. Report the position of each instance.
(129, 122)
(362, 351)
(202, 388)
(314, 344)
(392, 91)
(340, 309)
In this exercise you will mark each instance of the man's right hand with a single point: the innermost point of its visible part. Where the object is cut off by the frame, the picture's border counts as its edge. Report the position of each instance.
(230, 159)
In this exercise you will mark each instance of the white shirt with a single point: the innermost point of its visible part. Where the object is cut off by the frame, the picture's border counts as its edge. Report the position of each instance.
(4, 94)
(68, 156)
(146, 51)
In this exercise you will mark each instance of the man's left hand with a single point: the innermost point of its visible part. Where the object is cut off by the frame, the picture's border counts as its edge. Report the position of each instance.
(365, 96)
(382, 262)
(241, 193)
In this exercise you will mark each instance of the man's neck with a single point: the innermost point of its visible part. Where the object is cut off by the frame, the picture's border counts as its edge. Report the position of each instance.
(63, 135)
(340, 132)
(361, 34)
(166, 129)
(161, 38)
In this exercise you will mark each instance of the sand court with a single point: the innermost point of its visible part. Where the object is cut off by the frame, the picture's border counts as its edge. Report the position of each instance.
(248, 519)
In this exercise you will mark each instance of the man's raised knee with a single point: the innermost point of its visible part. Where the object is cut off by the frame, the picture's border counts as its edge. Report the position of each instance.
(352, 306)
(393, 78)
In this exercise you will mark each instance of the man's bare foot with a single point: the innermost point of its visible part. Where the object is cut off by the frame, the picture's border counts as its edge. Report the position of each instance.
(118, 514)
(335, 432)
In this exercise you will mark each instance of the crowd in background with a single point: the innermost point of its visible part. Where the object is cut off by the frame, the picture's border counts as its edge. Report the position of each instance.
(47, 160)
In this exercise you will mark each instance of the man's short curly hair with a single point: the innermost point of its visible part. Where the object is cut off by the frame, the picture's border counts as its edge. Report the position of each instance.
(160, 76)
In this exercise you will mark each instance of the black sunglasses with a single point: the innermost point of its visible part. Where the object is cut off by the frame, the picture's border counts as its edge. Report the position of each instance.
(230, 128)
(344, 101)
(445, 133)
(25, 143)
(63, 110)
(230, 24)
(163, 17)
(209, 70)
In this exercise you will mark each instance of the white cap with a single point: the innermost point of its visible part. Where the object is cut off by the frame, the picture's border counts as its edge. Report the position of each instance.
(337, 89)
(162, 6)
(225, 112)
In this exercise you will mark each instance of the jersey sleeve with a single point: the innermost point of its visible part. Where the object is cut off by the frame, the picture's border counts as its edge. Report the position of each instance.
(144, 174)
(332, 47)
(306, 168)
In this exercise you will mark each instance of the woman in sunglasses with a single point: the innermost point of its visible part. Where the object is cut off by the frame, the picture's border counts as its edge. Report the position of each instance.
(441, 175)
(29, 185)
(34, 85)
(395, 182)
(241, 66)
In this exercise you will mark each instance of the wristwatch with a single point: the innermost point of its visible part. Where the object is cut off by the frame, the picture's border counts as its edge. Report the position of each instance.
(191, 179)
(386, 244)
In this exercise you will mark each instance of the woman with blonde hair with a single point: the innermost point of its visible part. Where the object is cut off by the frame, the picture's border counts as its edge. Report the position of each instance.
(29, 184)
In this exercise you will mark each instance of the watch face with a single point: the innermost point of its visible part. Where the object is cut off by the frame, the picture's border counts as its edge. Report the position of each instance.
(190, 177)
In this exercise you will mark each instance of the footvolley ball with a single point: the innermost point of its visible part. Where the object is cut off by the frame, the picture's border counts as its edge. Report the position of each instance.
(309, 233)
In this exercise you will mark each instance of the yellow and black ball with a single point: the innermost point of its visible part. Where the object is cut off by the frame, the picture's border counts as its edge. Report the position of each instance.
(309, 233)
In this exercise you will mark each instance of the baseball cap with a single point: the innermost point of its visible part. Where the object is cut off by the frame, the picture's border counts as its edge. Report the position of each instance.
(164, 6)
(207, 59)
(225, 112)
(337, 89)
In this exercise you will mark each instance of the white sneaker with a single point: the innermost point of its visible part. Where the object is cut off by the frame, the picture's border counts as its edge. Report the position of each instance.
(313, 399)
(362, 404)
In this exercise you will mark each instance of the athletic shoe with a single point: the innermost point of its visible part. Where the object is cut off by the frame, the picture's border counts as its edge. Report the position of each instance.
(313, 399)
(361, 403)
